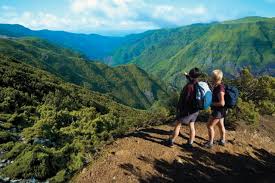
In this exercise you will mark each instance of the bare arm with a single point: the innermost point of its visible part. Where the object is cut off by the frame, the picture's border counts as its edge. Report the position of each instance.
(221, 102)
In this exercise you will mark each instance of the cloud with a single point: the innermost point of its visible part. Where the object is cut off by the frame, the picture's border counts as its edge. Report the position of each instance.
(137, 13)
(112, 9)
(178, 16)
(105, 16)
(34, 20)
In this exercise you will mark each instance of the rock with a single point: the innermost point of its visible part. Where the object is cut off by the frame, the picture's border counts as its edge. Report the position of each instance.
(15, 181)
(3, 161)
(179, 160)
(84, 170)
(45, 142)
(122, 153)
(6, 179)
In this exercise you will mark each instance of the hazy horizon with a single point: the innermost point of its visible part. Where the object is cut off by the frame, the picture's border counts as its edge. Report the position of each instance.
(126, 34)
(123, 17)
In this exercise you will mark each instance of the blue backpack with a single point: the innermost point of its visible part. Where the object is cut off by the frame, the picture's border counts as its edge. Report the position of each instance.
(203, 97)
(231, 96)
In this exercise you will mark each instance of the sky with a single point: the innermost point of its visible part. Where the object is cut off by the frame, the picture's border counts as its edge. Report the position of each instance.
(120, 17)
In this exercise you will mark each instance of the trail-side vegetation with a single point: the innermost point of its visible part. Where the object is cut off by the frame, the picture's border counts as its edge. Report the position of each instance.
(257, 97)
(49, 129)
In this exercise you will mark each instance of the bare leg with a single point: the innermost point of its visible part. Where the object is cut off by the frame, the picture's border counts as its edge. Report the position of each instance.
(192, 132)
(222, 129)
(176, 131)
(211, 131)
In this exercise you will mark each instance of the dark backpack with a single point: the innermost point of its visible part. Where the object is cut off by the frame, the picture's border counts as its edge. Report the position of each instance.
(231, 96)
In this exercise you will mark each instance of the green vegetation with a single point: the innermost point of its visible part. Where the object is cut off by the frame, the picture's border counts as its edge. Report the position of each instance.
(49, 128)
(167, 53)
(128, 85)
(257, 96)
(231, 45)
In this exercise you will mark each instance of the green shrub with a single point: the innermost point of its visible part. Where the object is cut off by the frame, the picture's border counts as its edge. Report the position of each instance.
(267, 107)
(34, 162)
(59, 177)
(6, 126)
(15, 151)
(245, 111)
(7, 146)
(5, 136)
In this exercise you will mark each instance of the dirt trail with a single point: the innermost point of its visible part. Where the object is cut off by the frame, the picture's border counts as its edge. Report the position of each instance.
(141, 157)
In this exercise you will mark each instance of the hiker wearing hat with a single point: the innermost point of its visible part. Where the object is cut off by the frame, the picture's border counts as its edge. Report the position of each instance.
(187, 112)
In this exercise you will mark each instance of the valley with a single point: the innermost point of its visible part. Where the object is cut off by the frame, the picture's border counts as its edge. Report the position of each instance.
(92, 108)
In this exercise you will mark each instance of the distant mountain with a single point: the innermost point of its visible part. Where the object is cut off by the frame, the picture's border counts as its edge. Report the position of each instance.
(128, 84)
(167, 53)
(229, 45)
(92, 45)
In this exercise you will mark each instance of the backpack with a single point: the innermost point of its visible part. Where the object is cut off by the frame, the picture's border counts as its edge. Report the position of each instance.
(231, 96)
(203, 97)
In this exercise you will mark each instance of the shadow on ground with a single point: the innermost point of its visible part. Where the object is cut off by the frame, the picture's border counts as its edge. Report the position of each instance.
(147, 134)
(205, 166)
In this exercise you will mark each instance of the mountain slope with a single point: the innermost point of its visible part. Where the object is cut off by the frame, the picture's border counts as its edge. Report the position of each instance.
(158, 45)
(127, 84)
(49, 128)
(167, 53)
(230, 45)
(92, 45)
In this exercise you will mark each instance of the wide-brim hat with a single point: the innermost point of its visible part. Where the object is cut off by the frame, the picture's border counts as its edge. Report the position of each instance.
(194, 73)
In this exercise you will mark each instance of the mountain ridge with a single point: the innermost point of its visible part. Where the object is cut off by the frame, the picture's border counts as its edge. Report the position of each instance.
(127, 84)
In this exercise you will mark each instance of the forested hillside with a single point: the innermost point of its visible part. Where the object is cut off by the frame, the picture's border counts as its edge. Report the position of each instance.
(167, 53)
(49, 128)
(231, 45)
(129, 84)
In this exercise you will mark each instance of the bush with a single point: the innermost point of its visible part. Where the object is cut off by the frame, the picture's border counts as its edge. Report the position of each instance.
(34, 162)
(257, 96)
(5, 137)
(245, 111)
(7, 146)
(267, 107)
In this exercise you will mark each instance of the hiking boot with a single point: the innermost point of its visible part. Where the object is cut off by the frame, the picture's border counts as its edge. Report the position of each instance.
(208, 145)
(188, 145)
(221, 142)
(169, 143)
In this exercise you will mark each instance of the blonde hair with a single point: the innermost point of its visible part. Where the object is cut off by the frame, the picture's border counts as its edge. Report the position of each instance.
(217, 75)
